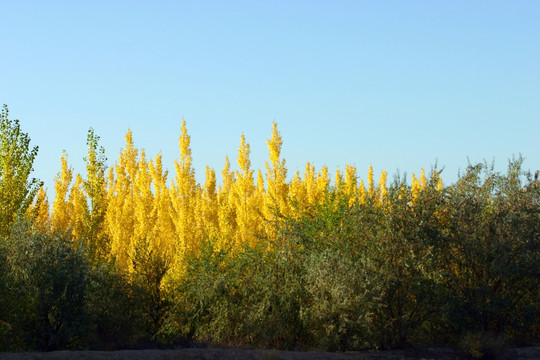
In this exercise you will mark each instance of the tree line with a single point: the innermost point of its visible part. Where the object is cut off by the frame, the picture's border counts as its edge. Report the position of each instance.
(128, 256)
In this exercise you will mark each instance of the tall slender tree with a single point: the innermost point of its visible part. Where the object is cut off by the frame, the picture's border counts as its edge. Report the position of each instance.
(244, 190)
(276, 179)
(95, 187)
(17, 188)
(61, 212)
(120, 217)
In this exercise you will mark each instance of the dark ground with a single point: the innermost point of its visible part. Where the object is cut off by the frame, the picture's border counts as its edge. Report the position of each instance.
(233, 354)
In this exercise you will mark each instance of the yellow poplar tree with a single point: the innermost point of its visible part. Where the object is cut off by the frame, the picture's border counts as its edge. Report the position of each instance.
(339, 188)
(143, 204)
(120, 219)
(438, 178)
(423, 178)
(79, 211)
(243, 192)
(362, 193)
(210, 204)
(371, 184)
(260, 183)
(298, 196)
(39, 212)
(310, 183)
(61, 212)
(323, 183)
(338, 181)
(163, 231)
(198, 219)
(351, 187)
(226, 209)
(382, 196)
(184, 193)
(258, 203)
(276, 179)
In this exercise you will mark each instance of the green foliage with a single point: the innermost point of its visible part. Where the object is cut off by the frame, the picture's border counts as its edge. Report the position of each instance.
(17, 189)
(369, 273)
(51, 298)
(6, 302)
(339, 310)
(116, 308)
(246, 299)
(494, 235)
(433, 270)
(94, 186)
(405, 252)
(48, 284)
(149, 271)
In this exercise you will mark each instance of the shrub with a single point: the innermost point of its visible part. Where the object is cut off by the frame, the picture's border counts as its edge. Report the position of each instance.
(50, 280)
(251, 298)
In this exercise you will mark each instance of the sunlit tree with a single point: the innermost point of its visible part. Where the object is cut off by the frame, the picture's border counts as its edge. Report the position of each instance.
(95, 187)
(209, 199)
(163, 232)
(243, 197)
(226, 209)
(61, 211)
(79, 214)
(120, 216)
(17, 189)
(276, 178)
(39, 212)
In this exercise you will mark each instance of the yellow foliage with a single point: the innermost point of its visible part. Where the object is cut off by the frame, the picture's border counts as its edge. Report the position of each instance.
(163, 234)
(277, 205)
(351, 189)
(39, 212)
(416, 187)
(243, 198)
(120, 216)
(143, 204)
(310, 181)
(423, 179)
(184, 193)
(371, 183)
(79, 207)
(226, 209)
(323, 182)
(362, 194)
(298, 198)
(382, 191)
(169, 219)
(210, 204)
(61, 212)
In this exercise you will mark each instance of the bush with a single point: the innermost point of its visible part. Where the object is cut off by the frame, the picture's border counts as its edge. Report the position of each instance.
(116, 310)
(494, 252)
(338, 313)
(483, 345)
(52, 298)
(49, 283)
(251, 298)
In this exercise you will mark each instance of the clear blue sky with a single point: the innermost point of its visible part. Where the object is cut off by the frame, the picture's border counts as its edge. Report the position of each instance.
(395, 84)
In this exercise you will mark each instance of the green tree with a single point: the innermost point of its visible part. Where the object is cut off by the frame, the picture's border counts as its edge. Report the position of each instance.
(17, 189)
(95, 188)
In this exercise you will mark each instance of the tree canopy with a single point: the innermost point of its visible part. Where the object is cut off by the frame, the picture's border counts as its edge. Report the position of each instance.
(17, 189)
